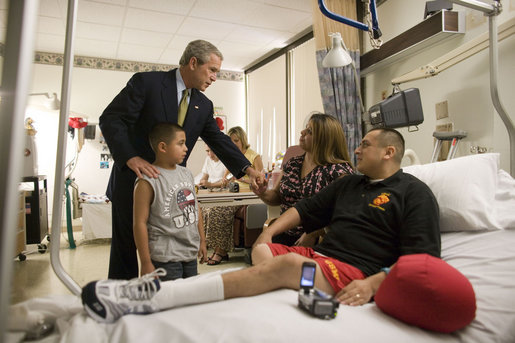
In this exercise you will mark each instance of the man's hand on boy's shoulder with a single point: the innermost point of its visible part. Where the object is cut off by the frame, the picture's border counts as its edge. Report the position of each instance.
(140, 167)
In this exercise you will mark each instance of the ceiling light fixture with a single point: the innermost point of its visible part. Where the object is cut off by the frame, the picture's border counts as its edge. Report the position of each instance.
(338, 56)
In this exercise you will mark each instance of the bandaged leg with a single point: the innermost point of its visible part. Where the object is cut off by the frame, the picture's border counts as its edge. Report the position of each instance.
(189, 291)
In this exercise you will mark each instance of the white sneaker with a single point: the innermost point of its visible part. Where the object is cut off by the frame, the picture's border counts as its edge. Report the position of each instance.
(107, 300)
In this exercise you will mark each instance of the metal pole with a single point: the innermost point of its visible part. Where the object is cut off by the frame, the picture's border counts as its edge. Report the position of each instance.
(494, 93)
(16, 78)
(492, 11)
(61, 154)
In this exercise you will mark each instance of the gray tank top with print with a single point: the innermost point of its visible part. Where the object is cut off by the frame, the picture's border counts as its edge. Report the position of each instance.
(173, 220)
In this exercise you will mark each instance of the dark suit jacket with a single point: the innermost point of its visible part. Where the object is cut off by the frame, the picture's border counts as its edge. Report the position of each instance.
(150, 98)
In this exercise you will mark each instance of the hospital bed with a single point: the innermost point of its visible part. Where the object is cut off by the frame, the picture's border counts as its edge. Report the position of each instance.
(477, 202)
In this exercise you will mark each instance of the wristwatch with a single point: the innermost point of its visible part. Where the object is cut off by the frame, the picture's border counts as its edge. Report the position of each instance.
(386, 270)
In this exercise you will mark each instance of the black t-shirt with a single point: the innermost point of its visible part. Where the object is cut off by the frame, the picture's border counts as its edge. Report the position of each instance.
(372, 224)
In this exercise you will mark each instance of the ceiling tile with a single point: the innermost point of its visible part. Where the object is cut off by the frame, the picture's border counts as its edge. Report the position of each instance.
(230, 11)
(256, 36)
(181, 7)
(272, 17)
(49, 43)
(51, 25)
(100, 13)
(139, 53)
(98, 31)
(299, 5)
(171, 56)
(146, 38)
(179, 42)
(94, 48)
(113, 2)
(152, 21)
(50, 8)
(206, 29)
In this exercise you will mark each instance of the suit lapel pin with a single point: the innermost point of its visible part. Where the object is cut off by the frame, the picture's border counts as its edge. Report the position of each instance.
(196, 107)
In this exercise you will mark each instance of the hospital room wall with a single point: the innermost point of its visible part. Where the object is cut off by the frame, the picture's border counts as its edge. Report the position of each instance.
(91, 92)
(465, 86)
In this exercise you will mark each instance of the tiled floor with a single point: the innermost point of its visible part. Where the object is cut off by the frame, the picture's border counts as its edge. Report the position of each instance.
(89, 261)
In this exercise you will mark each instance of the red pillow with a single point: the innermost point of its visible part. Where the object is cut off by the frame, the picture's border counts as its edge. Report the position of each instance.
(425, 291)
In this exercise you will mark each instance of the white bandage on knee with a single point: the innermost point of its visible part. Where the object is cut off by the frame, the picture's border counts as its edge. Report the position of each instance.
(189, 291)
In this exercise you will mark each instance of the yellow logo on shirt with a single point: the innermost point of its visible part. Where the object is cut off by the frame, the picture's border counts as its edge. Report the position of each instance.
(380, 200)
(333, 269)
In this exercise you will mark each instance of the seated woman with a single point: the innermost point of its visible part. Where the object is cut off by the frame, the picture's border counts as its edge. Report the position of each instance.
(213, 171)
(326, 158)
(219, 223)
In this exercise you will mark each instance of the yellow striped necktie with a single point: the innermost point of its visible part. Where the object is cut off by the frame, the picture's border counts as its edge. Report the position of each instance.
(183, 107)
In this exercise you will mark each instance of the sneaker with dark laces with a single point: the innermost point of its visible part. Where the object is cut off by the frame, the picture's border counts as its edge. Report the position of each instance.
(107, 300)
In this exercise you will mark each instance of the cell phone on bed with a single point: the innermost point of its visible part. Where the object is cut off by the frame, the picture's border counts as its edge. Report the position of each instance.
(312, 300)
(307, 277)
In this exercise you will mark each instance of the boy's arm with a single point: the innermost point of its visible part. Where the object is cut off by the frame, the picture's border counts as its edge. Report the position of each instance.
(143, 195)
(202, 252)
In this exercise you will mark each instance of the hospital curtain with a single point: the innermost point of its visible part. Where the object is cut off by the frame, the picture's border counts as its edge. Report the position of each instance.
(339, 90)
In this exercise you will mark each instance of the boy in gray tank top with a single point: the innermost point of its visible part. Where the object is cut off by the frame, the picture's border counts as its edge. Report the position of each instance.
(168, 228)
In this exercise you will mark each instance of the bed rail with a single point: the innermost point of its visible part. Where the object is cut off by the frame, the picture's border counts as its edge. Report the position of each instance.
(61, 153)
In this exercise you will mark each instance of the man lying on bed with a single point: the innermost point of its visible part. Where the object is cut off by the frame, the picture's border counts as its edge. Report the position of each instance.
(373, 219)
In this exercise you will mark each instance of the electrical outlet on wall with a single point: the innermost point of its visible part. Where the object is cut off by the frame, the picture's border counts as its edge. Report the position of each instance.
(442, 110)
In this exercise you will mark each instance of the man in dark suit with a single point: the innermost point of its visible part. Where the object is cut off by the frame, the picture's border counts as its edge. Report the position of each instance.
(147, 99)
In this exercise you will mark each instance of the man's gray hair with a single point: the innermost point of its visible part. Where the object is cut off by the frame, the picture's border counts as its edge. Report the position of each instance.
(200, 49)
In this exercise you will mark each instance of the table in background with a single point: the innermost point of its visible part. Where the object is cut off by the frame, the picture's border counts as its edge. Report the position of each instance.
(207, 198)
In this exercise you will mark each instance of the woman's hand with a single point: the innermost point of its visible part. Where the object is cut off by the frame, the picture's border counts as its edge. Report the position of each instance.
(307, 240)
(264, 237)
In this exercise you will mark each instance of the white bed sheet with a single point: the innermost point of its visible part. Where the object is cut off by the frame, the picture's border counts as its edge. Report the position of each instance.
(487, 259)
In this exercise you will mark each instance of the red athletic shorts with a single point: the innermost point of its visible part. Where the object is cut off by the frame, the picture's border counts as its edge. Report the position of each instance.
(338, 274)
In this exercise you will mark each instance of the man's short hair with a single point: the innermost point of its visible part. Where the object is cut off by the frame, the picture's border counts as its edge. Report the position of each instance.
(201, 50)
(392, 137)
(163, 132)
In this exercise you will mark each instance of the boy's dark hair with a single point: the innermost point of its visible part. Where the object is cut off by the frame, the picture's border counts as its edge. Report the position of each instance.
(163, 132)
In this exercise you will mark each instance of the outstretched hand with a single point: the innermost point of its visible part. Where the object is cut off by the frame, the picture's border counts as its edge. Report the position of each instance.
(258, 182)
